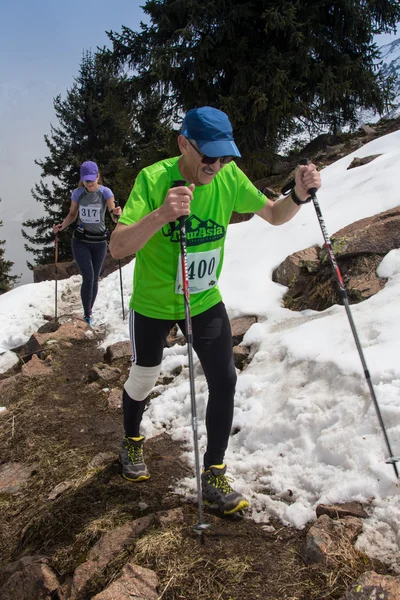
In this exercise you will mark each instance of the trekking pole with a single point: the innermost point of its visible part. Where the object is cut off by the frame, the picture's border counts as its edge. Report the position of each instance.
(116, 203)
(343, 294)
(200, 527)
(56, 274)
(120, 285)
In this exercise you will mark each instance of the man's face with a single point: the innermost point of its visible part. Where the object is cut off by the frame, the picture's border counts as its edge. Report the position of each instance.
(200, 173)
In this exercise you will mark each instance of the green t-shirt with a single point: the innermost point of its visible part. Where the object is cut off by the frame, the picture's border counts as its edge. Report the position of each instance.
(157, 280)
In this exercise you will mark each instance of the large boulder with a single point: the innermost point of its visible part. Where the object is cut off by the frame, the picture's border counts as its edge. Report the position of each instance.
(67, 269)
(240, 326)
(358, 249)
(328, 537)
(29, 578)
(134, 582)
(112, 544)
(48, 272)
(373, 235)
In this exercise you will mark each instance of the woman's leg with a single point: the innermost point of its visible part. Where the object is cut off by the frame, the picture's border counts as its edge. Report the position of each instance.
(83, 258)
(98, 251)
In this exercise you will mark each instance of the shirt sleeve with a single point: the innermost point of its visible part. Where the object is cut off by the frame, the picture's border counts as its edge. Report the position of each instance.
(76, 194)
(107, 193)
(138, 203)
(248, 198)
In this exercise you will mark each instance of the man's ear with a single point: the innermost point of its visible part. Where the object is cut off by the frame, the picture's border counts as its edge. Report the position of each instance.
(183, 144)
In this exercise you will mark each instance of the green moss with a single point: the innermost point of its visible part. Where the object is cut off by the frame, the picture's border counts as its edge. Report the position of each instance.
(339, 245)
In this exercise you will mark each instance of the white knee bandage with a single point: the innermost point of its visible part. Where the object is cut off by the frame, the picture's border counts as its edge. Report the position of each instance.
(141, 381)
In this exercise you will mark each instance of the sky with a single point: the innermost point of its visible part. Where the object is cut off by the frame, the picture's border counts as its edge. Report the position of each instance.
(386, 38)
(304, 416)
(43, 42)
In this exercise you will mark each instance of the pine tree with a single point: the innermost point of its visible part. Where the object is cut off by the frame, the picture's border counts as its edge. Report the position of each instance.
(7, 281)
(267, 63)
(100, 119)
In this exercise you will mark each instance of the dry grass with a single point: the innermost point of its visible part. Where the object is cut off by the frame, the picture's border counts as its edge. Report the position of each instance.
(344, 564)
(185, 570)
(179, 561)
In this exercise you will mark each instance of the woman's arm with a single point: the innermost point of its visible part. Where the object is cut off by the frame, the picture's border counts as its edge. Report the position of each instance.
(115, 211)
(70, 218)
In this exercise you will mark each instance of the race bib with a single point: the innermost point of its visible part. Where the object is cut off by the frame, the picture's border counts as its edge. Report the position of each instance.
(90, 213)
(202, 271)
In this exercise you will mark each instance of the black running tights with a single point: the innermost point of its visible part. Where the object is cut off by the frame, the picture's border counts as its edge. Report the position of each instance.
(212, 341)
(89, 256)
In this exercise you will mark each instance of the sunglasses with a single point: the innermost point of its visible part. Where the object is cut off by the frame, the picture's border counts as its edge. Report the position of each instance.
(211, 160)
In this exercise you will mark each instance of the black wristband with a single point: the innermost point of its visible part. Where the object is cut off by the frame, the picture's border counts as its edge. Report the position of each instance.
(297, 200)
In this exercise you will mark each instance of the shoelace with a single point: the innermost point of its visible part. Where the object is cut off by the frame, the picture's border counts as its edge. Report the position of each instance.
(221, 482)
(135, 453)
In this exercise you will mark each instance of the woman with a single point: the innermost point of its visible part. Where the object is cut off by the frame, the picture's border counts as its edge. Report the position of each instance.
(89, 241)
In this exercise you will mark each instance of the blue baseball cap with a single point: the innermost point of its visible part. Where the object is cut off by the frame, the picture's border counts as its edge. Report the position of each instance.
(212, 131)
(89, 171)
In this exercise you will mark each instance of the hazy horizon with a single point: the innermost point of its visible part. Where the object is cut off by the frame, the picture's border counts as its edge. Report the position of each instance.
(44, 44)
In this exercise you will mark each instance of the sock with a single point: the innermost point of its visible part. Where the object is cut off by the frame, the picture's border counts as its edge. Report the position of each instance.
(133, 413)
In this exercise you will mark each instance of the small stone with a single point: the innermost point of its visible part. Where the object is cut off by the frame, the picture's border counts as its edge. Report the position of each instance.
(13, 477)
(59, 489)
(114, 401)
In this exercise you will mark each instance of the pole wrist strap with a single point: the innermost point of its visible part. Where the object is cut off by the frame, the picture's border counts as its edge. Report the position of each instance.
(297, 200)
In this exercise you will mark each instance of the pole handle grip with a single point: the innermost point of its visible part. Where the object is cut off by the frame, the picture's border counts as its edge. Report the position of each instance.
(311, 191)
(179, 183)
(116, 203)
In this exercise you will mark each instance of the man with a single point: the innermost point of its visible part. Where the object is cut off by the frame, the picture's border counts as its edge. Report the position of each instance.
(217, 187)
